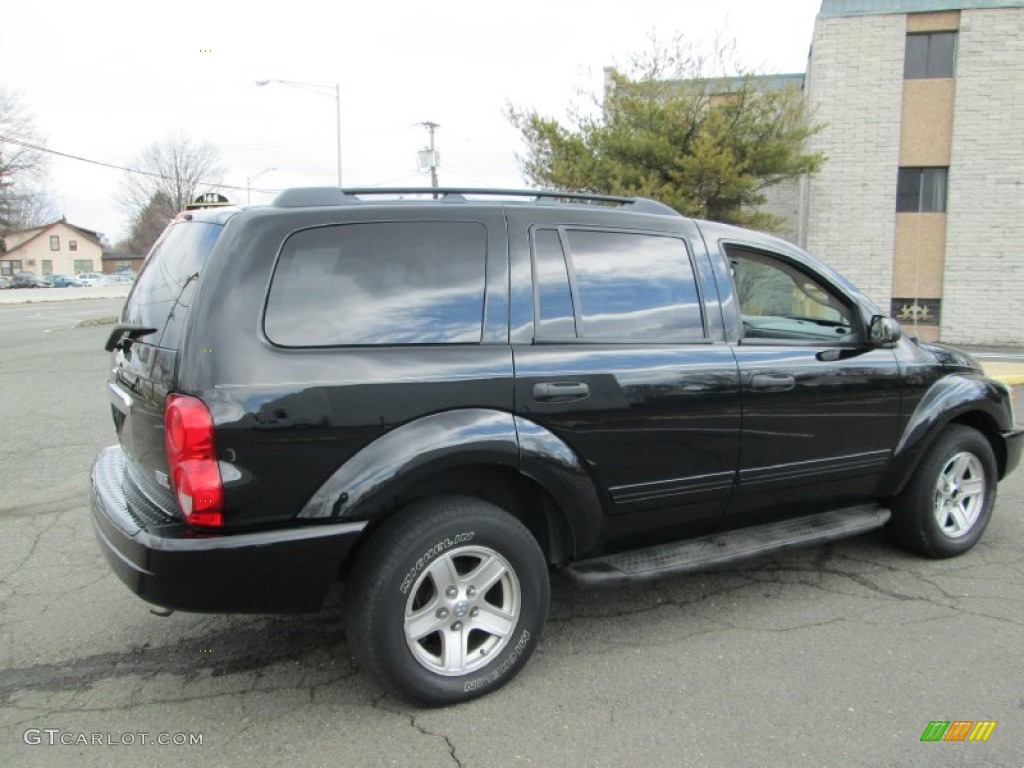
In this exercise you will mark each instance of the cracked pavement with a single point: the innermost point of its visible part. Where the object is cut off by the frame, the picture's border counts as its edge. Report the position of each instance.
(833, 655)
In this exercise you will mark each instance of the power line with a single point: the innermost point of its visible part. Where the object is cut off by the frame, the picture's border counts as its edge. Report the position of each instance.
(69, 156)
(466, 176)
(114, 166)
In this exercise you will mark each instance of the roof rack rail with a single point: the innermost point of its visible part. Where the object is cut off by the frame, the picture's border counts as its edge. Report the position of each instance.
(301, 197)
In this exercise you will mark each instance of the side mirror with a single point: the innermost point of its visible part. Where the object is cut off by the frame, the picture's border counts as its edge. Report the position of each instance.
(884, 330)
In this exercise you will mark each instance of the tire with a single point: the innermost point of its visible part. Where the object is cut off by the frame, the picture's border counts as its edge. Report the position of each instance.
(948, 501)
(417, 622)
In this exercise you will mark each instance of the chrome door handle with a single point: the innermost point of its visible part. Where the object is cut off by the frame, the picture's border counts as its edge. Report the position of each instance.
(772, 382)
(559, 391)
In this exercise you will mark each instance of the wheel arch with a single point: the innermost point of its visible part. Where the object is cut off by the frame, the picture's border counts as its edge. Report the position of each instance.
(482, 453)
(970, 400)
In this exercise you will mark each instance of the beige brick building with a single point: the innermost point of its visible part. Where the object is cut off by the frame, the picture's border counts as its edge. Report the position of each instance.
(58, 248)
(921, 200)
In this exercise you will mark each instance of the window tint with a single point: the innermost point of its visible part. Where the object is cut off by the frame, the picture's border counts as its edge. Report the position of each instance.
(779, 301)
(555, 317)
(921, 190)
(393, 283)
(634, 287)
(930, 55)
(164, 288)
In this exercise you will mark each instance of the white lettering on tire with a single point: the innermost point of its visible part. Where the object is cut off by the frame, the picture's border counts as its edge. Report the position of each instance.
(501, 669)
(424, 560)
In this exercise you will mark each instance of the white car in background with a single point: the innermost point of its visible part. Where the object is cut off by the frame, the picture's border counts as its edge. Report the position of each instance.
(91, 278)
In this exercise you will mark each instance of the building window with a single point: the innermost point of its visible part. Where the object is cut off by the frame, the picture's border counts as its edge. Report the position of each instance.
(9, 267)
(54, 242)
(47, 266)
(72, 245)
(921, 190)
(82, 265)
(930, 55)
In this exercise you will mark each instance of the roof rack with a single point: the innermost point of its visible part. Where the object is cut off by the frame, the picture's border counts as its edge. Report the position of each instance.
(301, 197)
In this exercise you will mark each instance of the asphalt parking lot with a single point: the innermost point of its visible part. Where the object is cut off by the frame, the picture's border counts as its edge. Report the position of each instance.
(835, 655)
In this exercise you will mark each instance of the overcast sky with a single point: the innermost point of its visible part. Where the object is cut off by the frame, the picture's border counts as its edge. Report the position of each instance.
(106, 79)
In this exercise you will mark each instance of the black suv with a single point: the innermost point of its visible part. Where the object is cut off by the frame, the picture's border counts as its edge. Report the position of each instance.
(443, 399)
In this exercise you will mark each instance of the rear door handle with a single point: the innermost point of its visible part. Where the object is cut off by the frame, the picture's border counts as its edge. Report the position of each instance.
(772, 382)
(560, 391)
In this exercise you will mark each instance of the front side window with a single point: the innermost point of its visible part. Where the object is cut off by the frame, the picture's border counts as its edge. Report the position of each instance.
(54, 242)
(921, 190)
(930, 55)
(381, 283)
(780, 301)
(633, 287)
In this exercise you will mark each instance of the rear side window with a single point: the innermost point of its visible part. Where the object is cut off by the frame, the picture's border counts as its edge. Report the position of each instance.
(164, 288)
(386, 283)
(555, 318)
(625, 287)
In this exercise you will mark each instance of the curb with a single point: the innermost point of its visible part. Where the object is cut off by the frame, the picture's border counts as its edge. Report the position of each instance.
(107, 321)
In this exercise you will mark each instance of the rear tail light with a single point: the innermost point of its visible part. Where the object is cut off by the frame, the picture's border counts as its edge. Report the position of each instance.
(195, 477)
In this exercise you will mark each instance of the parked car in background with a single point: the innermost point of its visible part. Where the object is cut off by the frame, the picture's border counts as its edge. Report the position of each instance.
(28, 280)
(63, 281)
(5, 283)
(120, 278)
(91, 278)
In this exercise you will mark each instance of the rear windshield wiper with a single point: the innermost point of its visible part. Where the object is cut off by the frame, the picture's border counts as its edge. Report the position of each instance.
(131, 330)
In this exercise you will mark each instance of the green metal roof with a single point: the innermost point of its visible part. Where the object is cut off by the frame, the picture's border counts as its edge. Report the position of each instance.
(763, 83)
(878, 7)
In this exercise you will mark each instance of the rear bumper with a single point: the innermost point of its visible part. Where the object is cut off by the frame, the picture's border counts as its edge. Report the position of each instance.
(164, 562)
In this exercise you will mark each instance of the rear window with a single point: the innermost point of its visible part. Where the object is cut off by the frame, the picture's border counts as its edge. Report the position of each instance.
(163, 291)
(380, 283)
(625, 287)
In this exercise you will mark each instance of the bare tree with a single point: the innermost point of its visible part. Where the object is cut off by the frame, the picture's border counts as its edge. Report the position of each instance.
(27, 208)
(23, 203)
(168, 175)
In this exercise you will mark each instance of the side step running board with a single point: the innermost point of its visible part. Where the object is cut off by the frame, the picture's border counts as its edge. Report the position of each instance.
(722, 548)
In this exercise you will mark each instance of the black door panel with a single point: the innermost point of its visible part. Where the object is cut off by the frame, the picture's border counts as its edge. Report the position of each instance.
(654, 413)
(820, 406)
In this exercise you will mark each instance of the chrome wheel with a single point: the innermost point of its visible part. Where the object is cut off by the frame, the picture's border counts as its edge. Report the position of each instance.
(960, 495)
(462, 610)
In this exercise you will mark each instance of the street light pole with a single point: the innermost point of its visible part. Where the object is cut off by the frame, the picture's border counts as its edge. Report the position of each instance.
(337, 106)
(336, 88)
(248, 183)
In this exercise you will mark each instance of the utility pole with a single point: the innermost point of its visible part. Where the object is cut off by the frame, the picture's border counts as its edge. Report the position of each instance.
(429, 158)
